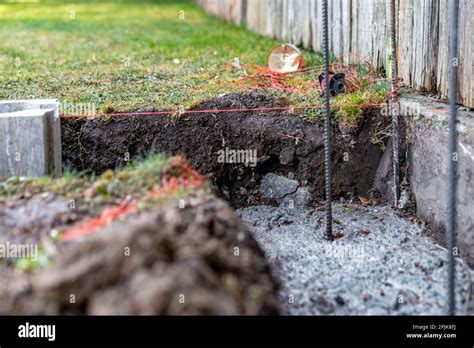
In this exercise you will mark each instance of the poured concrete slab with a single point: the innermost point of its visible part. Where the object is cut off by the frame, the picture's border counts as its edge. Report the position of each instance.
(380, 264)
(30, 138)
(427, 149)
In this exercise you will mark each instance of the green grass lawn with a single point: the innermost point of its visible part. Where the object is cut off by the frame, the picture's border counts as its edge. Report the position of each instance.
(122, 55)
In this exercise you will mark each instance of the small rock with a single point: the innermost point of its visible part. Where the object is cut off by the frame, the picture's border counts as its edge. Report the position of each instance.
(287, 156)
(277, 187)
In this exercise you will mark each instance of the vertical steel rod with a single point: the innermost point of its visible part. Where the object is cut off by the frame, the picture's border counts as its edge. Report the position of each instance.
(327, 124)
(453, 157)
(394, 108)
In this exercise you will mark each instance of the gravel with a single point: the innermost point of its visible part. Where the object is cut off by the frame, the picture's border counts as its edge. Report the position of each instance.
(381, 264)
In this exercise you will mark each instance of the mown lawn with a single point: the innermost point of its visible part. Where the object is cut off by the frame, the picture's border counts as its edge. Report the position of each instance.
(122, 55)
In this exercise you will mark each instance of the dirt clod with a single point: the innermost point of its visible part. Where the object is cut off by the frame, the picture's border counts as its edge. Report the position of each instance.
(199, 259)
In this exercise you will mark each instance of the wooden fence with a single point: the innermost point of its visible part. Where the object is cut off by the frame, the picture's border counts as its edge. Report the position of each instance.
(362, 27)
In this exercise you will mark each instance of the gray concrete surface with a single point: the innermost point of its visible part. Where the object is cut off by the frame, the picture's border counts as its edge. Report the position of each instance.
(30, 138)
(427, 140)
(381, 264)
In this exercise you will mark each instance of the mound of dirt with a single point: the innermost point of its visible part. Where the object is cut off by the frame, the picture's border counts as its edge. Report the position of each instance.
(284, 144)
(196, 259)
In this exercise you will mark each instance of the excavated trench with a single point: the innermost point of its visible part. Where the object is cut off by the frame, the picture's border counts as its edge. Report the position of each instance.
(269, 166)
(284, 144)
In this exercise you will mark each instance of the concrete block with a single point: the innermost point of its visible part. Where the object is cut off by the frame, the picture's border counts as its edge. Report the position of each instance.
(30, 138)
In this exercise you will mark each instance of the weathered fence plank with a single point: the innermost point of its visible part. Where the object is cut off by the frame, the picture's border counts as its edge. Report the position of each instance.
(418, 61)
(346, 22)
(316, 37)
(361, 26)
(466, 52)
(443, 54)
(229, 10)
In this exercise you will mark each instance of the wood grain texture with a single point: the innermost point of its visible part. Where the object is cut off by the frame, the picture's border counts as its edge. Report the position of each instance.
(229, 10)
(466, 52)
(363, 27)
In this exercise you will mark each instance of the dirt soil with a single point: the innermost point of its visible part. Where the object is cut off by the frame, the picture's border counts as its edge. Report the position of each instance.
(200, 259)
(30, 220)
(168, 260)
(286, 144)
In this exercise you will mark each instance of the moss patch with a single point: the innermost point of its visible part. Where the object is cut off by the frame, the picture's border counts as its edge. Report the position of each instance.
(348, 114)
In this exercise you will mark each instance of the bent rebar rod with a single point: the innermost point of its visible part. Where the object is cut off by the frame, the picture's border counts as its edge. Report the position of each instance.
(327, 124)
(452, 174)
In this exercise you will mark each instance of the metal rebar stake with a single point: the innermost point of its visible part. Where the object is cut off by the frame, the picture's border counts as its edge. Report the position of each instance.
(327, 124)
(453, 157)
(394, 109)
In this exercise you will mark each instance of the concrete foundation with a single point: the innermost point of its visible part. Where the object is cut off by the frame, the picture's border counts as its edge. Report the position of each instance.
(426, 150)
(30, 138)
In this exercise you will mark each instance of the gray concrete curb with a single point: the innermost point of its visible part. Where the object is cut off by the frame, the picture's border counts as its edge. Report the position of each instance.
(30, 138)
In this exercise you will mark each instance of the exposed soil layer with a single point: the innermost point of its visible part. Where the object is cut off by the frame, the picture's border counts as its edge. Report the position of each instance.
(285, 144)
(199, 259)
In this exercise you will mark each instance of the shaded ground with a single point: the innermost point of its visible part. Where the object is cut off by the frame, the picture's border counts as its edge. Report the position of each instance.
(284, 143)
